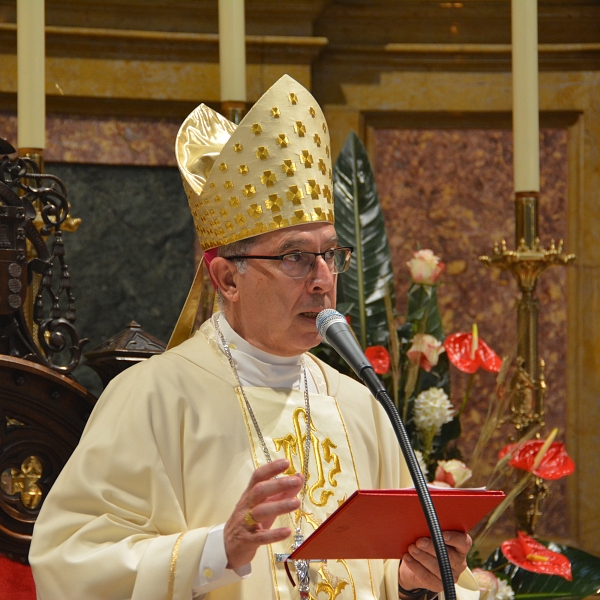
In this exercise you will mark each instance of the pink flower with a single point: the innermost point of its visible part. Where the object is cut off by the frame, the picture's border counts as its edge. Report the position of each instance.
(487, 582)
(425, 267)
(453, 472)
(425, 351)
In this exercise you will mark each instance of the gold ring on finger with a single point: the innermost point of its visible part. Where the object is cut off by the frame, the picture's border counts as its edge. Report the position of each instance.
(250, 520)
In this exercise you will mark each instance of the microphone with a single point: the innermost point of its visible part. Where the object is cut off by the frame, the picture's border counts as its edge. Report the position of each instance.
(334, 329)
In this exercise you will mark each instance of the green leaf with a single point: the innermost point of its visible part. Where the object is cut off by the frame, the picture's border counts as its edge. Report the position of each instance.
(585, 568)
(423, 306)
(359, 222)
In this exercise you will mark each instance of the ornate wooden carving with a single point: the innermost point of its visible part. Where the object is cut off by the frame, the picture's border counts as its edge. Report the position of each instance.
(33, 207)
(42, 416)
(123, 350)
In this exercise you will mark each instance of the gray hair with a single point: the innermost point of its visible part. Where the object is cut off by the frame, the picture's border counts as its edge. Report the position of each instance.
(235, 249)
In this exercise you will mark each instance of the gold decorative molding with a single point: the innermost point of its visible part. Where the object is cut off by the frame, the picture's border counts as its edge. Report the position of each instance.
(485, 48)
(23, 481)
(169, 45)
(457, 57)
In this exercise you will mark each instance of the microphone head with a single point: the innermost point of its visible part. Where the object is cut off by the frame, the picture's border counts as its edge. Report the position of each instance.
(326, 318)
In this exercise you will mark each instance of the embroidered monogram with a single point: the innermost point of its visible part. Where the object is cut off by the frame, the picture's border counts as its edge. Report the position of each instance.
(292, 445)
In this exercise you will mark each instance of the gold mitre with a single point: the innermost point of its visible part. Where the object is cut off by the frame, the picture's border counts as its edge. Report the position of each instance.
(271, 171)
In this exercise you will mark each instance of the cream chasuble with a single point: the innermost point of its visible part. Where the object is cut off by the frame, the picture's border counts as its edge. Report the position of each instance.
(168, 452)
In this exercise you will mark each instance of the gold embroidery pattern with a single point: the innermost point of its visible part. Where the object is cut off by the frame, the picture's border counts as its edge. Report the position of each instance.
(310, 518)
(173, 567)
(329, 457)
(330, 584)
(293, 446)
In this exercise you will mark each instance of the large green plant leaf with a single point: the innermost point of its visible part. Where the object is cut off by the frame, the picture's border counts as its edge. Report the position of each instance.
(585, 568)
(359, 222)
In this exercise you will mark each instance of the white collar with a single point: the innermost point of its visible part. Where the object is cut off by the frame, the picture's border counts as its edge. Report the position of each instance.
(257, 368)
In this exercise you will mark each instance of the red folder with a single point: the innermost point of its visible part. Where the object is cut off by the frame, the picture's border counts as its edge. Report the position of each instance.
(383, 523)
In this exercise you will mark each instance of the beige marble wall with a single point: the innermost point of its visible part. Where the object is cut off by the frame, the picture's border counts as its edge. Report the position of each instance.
(468, 95)
(142, 79)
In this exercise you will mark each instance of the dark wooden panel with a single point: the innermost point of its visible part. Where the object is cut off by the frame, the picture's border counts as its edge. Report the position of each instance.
(42, 415)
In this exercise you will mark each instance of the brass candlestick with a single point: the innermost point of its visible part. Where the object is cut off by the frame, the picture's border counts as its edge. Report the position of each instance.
(527, 263)
(233, 110)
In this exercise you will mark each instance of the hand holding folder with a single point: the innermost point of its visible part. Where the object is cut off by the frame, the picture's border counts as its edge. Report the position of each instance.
(383, 523)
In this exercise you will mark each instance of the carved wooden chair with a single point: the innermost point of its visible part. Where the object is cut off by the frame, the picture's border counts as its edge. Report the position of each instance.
(43, 411)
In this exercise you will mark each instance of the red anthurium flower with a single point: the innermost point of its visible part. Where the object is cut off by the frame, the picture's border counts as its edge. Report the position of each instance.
(530, 555)
(556, 463)
(379, 358)
(467, 352)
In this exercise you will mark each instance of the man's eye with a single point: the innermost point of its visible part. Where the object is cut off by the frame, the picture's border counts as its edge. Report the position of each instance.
(296, 257)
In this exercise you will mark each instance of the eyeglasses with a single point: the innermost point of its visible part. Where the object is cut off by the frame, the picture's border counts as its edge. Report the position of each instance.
(298, 265)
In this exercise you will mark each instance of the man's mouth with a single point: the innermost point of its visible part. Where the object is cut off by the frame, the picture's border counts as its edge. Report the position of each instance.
(310, 315)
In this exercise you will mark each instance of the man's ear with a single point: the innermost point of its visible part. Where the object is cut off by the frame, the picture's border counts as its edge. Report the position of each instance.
(225, 275)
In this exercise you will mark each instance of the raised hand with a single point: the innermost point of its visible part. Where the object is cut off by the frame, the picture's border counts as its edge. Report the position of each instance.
(265, 498)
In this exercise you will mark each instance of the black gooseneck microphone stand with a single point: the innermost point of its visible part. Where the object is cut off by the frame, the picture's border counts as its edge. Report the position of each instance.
(334, 329)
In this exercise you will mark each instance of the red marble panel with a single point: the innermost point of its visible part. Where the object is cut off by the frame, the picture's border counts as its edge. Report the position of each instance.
(452, 191)
(103, 140)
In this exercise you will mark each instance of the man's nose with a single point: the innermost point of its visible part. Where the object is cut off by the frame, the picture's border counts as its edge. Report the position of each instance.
(321, 275)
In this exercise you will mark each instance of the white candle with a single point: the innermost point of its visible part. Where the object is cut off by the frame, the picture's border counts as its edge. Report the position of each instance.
(526, 120)
(232, 50)
(31, 92)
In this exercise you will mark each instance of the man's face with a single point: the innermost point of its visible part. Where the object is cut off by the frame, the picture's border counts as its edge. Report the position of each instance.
(275, 312)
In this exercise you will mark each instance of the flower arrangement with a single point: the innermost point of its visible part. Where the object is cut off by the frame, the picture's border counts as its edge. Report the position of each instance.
(414, 359)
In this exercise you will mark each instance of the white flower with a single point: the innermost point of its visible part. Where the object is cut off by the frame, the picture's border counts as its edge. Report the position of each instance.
(505, 592)
(492, 587)
(421, 461)
(488, 584)
(425, 267)
(432, 410)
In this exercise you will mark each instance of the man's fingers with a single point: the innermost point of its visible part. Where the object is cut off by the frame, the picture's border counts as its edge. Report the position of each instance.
(268, 471)
(286, 486)
(241, 545)
(461, 542)
(457, 545)
(266, 497)
(421, 576)
(268, 511)
(270, 536)
(430, 562)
